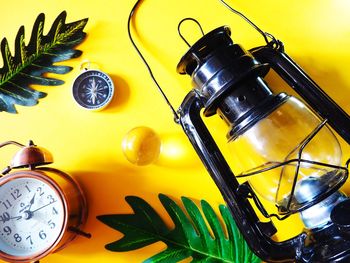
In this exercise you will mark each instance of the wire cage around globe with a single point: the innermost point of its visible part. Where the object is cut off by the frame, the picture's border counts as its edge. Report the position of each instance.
(295, 165)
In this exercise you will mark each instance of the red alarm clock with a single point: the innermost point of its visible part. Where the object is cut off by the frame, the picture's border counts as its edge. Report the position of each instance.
(41, 208)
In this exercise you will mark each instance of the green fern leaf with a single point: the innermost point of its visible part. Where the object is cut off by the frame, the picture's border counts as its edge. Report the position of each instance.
(189, 238)
(30, 63)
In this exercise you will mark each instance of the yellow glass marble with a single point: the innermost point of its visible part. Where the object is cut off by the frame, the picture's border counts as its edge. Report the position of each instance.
(141, 146)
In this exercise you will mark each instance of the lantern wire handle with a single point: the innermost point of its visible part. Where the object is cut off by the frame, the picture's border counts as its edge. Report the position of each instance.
(265, 35)
(179, 28)
(132, 12)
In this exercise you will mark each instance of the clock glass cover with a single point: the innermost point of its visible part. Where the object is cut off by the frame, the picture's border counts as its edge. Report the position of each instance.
(32, 217)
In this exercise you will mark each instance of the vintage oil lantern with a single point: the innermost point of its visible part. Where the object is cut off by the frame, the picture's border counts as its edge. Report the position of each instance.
(292, 157)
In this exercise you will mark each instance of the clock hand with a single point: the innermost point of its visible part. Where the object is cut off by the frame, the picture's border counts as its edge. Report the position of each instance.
(27, 207)
(16, 217)
(4, 219)
(32, 212)
(31, 201)
(29, 214)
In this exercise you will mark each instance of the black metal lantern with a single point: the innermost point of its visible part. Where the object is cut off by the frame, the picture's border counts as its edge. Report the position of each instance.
(294, 158)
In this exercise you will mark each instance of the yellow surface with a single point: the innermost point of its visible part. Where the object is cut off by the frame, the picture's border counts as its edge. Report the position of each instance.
(88, 144)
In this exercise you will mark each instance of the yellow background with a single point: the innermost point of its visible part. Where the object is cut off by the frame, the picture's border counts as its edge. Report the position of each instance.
(87, 145)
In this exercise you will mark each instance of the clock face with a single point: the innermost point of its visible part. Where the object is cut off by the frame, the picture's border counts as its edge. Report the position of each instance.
(93, 89)
(32, 216)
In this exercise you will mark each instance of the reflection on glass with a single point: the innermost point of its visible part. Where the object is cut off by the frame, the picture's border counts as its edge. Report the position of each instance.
(277, 138)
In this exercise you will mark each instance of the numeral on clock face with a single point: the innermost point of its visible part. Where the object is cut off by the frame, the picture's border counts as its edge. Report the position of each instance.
(7, 230)
(26, 187)
(29, 238)
(7, 204)
(40, 191)
(15, 194)
(54, 211)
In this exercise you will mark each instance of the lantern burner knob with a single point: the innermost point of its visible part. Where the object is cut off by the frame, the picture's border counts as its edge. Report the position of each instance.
(340, 216)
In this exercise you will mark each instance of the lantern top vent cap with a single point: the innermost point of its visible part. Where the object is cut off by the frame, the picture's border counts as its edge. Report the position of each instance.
(199, 52)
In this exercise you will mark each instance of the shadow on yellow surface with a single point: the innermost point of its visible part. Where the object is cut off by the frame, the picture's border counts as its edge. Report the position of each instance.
(122, 94)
